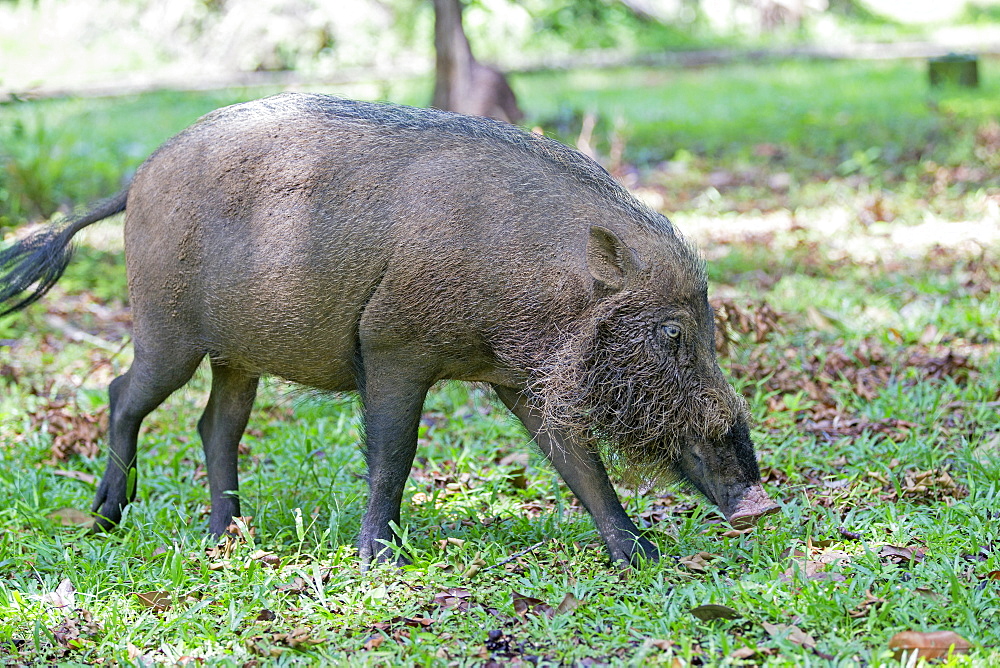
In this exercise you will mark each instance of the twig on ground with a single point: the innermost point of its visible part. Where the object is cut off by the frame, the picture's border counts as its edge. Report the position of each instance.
(514, 556)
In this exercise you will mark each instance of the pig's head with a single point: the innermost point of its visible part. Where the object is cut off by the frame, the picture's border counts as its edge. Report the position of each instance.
(636, 376)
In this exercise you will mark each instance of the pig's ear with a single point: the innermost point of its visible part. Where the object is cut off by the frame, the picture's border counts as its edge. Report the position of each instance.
(609, 260)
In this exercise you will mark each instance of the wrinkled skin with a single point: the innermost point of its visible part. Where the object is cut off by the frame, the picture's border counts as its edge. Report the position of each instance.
(347, 246)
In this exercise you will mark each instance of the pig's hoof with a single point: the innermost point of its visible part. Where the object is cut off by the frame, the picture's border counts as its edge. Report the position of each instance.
(103, 523)
(380, 553)
(636, 553)
(107, 514)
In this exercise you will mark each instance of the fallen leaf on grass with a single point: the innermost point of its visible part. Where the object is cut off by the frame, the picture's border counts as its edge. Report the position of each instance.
(474, 566)
(711, 611)
(451, 540)
(517, 478)
(71, 517)
(158, 601)
(697, 562)
(63, 597)
(866, 606)
(933, 485)
(752, 652)
(453, 598)
(74, 432)
(88, 478)
(395, 622)
(296, 586)
(298, 636)
(273, 645)
(267, 558)
(568, 604)
(793, 634)
(814, 566)
(989, 450)
(242, 528)
(526, 605)
(930, 645)
(899, 554)
(396, 629)
(75, 629)
(238, 531)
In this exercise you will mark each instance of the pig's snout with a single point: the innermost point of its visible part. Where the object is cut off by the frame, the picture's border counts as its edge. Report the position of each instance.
(753, 505)
(726, 472)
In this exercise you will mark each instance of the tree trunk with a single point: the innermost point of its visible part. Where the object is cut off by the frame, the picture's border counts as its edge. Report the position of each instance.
(462, 83)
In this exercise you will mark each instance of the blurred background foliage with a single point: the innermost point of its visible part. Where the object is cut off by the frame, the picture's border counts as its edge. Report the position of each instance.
(74, 42)
(572, 64)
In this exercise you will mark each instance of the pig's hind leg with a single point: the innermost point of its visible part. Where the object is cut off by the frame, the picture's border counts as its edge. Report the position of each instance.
(585, 474)
(154, 375)
(221, 426)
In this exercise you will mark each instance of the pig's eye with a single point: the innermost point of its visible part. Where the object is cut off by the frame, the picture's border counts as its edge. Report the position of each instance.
(671, 330)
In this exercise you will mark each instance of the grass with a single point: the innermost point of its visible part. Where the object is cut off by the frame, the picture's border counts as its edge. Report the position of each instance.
(871, 368)
(874, 122)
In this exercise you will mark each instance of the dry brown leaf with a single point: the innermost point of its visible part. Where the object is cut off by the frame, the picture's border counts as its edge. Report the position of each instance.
(474, 566)
(821, 319)
(929, 593)
(158, 601)
(932, 645)
(568, 604)
(517, 478)
(267, 558)
(242, 528)
(133, 651)
(63, 597)
(297, 586)
(711, 611)
(526, 605)
(815, 567)
(864, 607)
(697, 562)
(75, 628)
(88, 478)
(899, 554)
(453, 598)
(73, 431)
(744, 653)
(300, 635)
(793, 633)
(71, 517)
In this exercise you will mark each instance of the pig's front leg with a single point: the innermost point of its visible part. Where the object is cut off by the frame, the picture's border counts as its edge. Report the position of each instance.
(585, 474)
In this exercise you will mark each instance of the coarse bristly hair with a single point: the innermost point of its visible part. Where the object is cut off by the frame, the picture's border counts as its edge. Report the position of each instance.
(604, 386)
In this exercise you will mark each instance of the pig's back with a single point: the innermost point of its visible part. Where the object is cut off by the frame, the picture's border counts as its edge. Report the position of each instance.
(275, 225)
